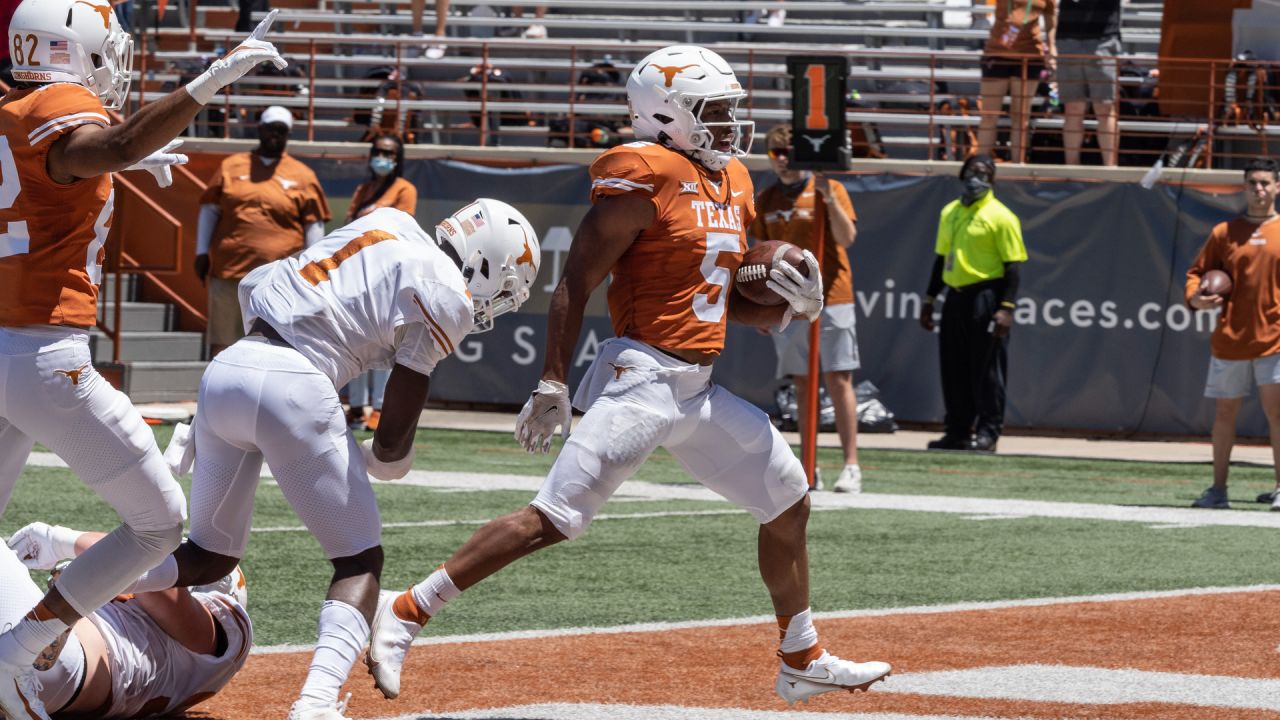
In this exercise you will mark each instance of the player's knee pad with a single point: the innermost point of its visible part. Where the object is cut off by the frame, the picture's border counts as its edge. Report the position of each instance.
(154, 542)
(146, 497)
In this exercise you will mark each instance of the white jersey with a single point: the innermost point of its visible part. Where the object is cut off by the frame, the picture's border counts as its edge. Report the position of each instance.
(151, 674)
(371, 294)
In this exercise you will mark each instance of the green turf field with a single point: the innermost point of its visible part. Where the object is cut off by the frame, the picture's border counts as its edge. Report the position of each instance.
(689, 566)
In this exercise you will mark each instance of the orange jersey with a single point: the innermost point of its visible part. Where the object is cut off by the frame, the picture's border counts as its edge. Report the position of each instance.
(402, 195)
(670, 288)
(265, 210)
(1249, 326)
(784, 216)
(52, 234)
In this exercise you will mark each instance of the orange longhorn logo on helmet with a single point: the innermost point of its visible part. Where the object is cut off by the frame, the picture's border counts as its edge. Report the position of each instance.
(103, 10)
(670, 72)
(526, 258)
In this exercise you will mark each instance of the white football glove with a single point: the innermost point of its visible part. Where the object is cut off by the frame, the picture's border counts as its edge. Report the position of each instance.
(385, 470)
(547, 407)
(235, 64)
(41, 546)
(161, 162)
(803, 294)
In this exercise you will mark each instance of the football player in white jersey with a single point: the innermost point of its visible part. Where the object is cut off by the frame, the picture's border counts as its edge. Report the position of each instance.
(377, 293)
(139, 656)
(58, 147)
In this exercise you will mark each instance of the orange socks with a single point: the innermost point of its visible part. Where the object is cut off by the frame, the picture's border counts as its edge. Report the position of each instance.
(406, 608)
(799, 640)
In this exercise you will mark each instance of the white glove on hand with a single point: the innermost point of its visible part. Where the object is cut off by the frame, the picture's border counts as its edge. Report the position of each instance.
(547, 407)
(41, 546)
(161, 162)
(237, 63)
(385, 470)
(803, 294)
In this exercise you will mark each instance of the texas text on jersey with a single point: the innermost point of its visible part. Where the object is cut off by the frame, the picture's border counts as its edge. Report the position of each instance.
(670, 288)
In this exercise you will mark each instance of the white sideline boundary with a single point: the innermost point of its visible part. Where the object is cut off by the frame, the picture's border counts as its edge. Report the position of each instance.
(595, 711)
(829, 615)
(979, 509)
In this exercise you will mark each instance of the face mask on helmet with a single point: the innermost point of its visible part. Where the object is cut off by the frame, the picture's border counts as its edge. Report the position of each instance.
(497, 251)
(72, 41)
(687, 97)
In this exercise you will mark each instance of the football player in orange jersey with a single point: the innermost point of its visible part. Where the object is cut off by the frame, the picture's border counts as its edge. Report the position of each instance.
(58, 148)
(668, 222)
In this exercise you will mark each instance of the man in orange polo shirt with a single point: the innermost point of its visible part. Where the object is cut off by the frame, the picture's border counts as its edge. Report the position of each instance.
(260, 207)
(1245, 346)
(785, 212)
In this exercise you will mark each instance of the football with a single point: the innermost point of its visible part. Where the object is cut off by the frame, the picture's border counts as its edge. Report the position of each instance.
(753, 273)
(1215, 282)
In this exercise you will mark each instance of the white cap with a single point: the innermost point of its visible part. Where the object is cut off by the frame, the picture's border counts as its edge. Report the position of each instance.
(276, 114)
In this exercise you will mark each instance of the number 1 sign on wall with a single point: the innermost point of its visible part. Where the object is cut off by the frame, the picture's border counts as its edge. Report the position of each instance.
(820, 140)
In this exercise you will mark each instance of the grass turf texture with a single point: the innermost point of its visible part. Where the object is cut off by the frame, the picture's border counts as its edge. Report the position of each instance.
(679, 568)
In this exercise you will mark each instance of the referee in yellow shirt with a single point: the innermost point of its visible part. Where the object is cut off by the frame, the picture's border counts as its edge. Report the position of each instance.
(979, 250)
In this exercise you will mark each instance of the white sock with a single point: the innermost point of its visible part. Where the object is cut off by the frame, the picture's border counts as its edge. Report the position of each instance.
(431, 594)
(160, 577)
(800, 634)
(23, 643)
(342, 636)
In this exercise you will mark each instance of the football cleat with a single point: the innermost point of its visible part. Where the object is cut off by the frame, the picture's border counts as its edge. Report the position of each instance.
(389, 642)
(232, 584)
(828, 674)
(303, 710)
(20, 694)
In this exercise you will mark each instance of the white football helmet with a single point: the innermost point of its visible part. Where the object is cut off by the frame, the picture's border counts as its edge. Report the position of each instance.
(233, 584)
(498, 252)
(77, 41)
(667, 92)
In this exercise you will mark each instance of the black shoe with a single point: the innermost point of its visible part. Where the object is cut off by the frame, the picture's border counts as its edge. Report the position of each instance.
(1268, 497)
(982, 442)
(949, 442)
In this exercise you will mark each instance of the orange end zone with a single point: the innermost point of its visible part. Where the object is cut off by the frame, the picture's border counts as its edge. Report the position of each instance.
(1225, 635)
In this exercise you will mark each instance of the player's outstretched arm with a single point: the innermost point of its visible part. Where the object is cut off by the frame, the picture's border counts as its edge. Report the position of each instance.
(392, 442)
(608, 229)
(91, 150)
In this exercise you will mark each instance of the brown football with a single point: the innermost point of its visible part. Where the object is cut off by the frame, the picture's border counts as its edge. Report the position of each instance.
(1215, 282)
(753, 273)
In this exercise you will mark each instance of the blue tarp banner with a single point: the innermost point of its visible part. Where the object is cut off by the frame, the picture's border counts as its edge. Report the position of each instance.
(1102, 342)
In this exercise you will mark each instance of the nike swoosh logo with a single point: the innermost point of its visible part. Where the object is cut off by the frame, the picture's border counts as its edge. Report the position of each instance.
(828, 676)
(736, 193)
(550, 410)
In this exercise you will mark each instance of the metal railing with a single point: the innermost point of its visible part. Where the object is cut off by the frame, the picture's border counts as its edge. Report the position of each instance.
(911, 104)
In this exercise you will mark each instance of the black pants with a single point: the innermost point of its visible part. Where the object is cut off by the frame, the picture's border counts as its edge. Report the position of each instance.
(974, 361)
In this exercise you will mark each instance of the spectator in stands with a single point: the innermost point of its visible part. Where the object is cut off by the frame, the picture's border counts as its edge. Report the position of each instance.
(1245, 346)
(1089, 28)
(244, 20)
(436, 48)
(979, 251)
(259, 207)
(785, 211)
(536, 31)
(495, 118)
(592, 130)
(386, 187)
(386, 117)
(1012, 61)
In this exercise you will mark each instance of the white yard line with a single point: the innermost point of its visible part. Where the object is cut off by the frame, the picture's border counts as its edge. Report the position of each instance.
(595, 711)
(978, 508)
(831, 615)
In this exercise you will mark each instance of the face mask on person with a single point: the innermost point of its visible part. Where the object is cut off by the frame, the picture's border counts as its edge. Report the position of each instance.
(975, 186)
(381, 166)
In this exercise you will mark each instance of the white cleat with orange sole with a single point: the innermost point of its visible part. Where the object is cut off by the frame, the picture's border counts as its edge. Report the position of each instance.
(389, 642)
(828, 674)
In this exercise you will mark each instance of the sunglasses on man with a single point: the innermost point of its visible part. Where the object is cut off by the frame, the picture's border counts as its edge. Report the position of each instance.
(779, 153)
